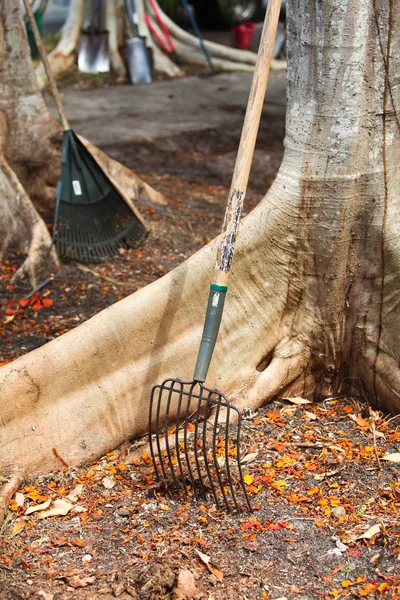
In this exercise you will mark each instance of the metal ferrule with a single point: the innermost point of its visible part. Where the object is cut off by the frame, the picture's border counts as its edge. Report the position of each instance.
(215, 307)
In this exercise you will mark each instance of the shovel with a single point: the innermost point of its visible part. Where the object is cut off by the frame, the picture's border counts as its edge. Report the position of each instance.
(138, 58)
(94, 56)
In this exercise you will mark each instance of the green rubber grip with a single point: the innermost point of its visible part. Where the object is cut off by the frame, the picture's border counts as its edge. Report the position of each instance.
(215, 307)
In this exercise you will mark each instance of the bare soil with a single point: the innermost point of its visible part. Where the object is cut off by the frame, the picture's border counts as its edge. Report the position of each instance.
(315, 474)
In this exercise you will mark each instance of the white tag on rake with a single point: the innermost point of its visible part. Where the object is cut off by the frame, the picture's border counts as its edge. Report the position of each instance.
(77, 187)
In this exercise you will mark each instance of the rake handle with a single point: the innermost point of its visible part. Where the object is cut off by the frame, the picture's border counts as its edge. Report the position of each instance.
(237, 191)
(46, 64)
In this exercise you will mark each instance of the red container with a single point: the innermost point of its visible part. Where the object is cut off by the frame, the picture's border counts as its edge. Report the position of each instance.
(242, 35)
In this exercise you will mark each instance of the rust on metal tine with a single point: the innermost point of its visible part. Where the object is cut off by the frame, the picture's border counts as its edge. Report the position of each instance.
(239, 422)
(160, 395)
(153, 458)
(177, 448)
(169, 456)
(185, 446)
(214, 453)
(207, 466)
(228, 470)
(202, 491)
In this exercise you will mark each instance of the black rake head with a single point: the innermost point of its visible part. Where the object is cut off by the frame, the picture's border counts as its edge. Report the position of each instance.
(196, 448)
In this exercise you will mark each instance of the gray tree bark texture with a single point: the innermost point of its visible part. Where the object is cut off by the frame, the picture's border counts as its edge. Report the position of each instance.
(314, 303)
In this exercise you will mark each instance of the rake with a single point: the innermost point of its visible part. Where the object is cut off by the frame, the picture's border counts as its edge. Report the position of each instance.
(201, 445)
(92, 217)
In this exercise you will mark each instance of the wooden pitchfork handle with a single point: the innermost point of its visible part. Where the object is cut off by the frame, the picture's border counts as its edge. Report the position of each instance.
(237, 191)
(47, 68)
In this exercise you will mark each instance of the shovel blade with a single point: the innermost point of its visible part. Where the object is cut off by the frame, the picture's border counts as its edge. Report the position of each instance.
(138, 61)
(94, 56)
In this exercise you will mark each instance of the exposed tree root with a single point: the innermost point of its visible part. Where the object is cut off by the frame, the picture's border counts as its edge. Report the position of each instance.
(7, 492)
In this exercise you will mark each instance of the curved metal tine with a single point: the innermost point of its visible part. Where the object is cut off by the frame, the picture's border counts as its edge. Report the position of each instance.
(214, 493)
(238, 458)
(185, 447)
(214, 451)
(153, 458)
(228, 470)
(203, 491)
(162, 388)
(178, 456)
(169, 456)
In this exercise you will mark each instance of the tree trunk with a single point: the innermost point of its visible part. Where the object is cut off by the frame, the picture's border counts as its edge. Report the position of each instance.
(314, 304)
(30, 150)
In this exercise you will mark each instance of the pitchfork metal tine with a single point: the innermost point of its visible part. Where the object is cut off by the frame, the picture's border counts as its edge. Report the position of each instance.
(202, 491)
(153, 458)
(205, 452)
(214, 453)
(158, 431)
(228, 470)
(239, 422)
(185, 447)
(171, 391)
(177, 447)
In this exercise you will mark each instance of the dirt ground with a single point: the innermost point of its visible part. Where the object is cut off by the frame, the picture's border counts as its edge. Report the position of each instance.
(323, 480)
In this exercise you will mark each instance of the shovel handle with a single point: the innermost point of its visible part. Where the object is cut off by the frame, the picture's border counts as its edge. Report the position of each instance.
(46, 64)
(237, 191)
(247, 143)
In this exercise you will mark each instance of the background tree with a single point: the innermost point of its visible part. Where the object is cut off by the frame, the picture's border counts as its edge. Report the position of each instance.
(314, 304)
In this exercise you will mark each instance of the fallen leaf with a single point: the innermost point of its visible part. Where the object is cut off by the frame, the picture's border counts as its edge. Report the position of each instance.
(60, 508)
(248, 479)
(9, 319)
(213, 568)
(297, 400)
(186, 587)
(108, 482)
(18, 527)
(43, 506)
(360, 421)
(75, 493)
(371, 532)
(310, 415)
(249, 458)
(395, 457)
(79, 582)
(19, 499)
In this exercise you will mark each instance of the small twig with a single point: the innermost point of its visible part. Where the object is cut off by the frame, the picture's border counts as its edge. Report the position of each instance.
(373, 429)
(110, 279)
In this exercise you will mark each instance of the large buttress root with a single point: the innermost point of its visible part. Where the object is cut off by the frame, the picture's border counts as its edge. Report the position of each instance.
(7, 492)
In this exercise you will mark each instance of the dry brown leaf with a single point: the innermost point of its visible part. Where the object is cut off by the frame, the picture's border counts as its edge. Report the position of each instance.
(310, 415)
(360, 421)
(75, 493)
(108, 482)
(249, 458)
(79, 582)
(297, 400)
(186, 587)
(19, 499)
(43, 506)
(371, 532)
(18, 527)
(60, 508)
(213, 568)
(394, 457)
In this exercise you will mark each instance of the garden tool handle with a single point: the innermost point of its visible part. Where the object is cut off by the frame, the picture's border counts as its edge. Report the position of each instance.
(163, 26)
(47, 68)
(237, 191)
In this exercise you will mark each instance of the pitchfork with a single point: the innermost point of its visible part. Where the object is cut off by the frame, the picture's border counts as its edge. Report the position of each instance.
(199, 449)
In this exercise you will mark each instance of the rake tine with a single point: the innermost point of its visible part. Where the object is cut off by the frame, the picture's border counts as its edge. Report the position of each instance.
(228, 470)
(205, 451)
(202, 491)
(158, 431)
(214, 452)
(153, 458)
(178, 456)
(238, 458)
(169, 456)
(185, 446)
